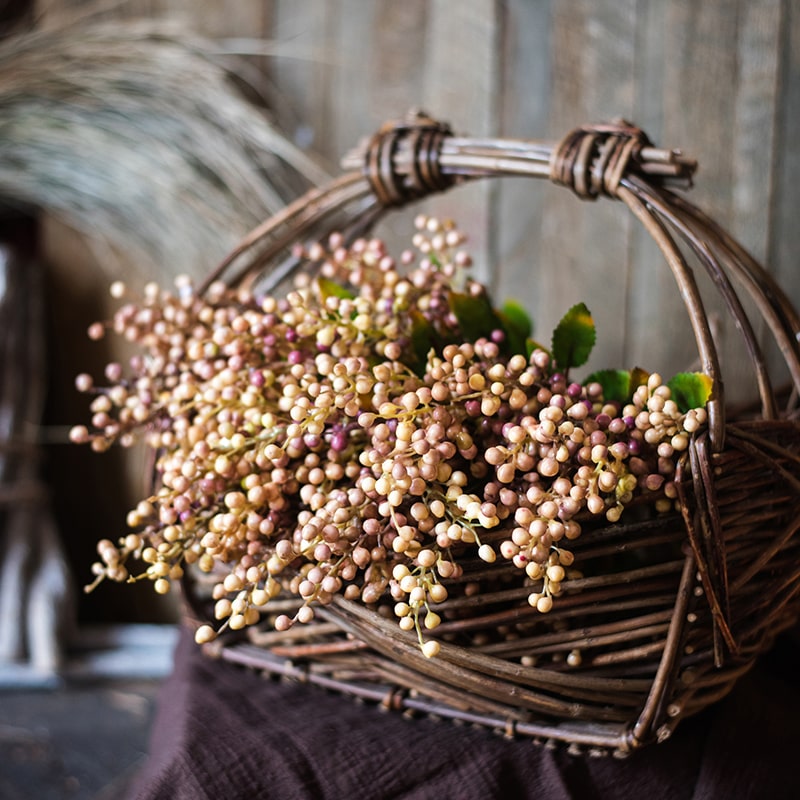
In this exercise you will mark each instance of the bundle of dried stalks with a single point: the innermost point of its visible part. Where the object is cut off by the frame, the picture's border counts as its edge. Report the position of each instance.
(134, 134)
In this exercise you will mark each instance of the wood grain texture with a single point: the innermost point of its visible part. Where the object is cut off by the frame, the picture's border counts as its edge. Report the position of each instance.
(461, 85)
(584, 246)
(783, 238)
(718, 79)
(525, 100)
(718, 102)
(345, 55)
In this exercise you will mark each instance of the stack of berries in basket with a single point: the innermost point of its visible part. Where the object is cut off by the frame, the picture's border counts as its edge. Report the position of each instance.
(364, 432)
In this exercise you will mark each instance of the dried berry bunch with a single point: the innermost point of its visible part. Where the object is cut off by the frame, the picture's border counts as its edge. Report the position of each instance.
(361, 434)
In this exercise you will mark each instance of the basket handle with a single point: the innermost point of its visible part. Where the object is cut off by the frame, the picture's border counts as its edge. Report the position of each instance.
(406, 161)
(418, 156)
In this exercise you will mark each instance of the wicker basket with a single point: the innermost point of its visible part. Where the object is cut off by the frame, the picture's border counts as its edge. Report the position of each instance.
(674, 608)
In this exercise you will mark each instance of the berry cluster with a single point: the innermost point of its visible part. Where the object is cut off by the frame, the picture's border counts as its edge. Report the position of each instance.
(359, 435)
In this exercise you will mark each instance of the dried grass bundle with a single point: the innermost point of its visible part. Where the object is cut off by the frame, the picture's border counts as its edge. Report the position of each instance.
(134, 134)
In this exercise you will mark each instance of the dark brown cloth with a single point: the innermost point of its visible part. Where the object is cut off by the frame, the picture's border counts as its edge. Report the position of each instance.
(223, 733)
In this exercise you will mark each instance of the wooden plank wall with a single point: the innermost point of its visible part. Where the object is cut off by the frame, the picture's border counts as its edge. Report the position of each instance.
(718, 79)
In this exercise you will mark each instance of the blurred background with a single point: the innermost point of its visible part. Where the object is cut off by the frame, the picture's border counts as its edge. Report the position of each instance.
(140, 139)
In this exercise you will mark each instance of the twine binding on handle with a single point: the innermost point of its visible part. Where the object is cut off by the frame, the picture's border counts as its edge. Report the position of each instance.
(420, 136)
(593, 159)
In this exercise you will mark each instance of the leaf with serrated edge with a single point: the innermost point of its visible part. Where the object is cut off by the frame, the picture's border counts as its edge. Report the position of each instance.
(574, 338)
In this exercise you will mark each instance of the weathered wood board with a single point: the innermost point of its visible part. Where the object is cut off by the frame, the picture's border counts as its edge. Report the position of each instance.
(718, 79)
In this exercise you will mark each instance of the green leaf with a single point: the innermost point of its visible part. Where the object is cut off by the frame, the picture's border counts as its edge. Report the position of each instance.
(475, 315)
(329, 288)
(616, 384)
(691, 389)
(574, 338)
(517, 326)
(423, 338)
(639, 377)
(518, 317)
